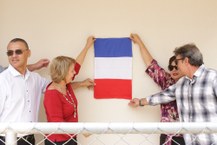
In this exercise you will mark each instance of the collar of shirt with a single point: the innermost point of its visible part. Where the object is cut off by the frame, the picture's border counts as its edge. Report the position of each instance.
(198, 73)
(15, 73)
(1, 68)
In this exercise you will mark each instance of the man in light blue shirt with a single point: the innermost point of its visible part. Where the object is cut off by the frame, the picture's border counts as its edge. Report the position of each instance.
(195, 93)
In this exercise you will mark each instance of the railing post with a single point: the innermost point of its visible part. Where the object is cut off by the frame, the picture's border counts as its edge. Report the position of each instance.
(10, 137)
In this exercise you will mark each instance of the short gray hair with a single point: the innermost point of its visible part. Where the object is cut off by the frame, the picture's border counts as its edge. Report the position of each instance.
(19, 40)
(191, 52)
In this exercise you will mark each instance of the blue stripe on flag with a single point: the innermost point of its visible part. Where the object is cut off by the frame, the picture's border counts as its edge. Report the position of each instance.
(113, 47)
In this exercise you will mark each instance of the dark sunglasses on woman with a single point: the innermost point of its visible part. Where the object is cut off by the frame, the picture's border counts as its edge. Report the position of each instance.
(171, 67)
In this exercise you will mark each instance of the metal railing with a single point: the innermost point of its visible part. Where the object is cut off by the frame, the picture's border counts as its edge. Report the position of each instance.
(11, 130)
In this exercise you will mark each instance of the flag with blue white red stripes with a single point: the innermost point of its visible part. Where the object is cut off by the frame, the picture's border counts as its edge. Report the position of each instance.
(113, 68)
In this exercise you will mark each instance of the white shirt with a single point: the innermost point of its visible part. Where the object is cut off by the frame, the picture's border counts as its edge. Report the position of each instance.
(1, 69)
(20, 95)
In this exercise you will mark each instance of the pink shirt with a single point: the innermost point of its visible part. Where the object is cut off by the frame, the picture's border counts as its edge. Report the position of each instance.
(169, 111)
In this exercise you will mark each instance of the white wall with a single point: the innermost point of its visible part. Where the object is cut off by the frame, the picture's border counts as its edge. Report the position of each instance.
(60, 27)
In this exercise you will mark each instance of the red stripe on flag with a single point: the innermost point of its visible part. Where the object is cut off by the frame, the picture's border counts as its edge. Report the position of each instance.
(113, 88)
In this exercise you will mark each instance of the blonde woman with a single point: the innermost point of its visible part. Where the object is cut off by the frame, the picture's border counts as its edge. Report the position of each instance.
(60, 102)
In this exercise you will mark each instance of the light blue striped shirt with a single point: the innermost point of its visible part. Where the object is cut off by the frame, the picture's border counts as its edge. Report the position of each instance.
(196, 100)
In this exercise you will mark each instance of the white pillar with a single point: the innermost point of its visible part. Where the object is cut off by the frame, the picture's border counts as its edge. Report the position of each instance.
(10, 137)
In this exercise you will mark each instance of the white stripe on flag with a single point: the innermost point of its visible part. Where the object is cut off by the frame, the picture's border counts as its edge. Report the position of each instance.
(113, 67)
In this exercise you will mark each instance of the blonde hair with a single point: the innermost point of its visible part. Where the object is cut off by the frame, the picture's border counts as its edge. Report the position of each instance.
(59, 68)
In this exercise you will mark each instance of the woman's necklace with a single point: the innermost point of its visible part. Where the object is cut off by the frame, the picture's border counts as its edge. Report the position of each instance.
(65, 92)
(72, 102)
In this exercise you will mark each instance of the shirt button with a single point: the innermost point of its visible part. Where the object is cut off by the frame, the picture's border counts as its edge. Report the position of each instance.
(30, 111)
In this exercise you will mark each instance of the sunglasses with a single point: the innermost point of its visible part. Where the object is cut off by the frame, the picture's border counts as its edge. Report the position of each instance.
(171, 67)
(17, 52)
(176, 60)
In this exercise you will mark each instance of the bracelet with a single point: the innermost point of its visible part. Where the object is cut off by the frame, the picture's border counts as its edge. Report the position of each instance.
(140, 103)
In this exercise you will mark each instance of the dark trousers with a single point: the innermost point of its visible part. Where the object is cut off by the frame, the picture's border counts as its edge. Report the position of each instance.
(70, 142)
(21, 141)
(178, 140)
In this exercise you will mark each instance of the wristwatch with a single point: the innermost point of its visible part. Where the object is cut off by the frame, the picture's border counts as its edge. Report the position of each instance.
(140, 103)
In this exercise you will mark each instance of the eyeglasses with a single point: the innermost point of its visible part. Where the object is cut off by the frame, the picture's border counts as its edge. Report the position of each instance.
(17, 52)
(176, 60)
(171, 67)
